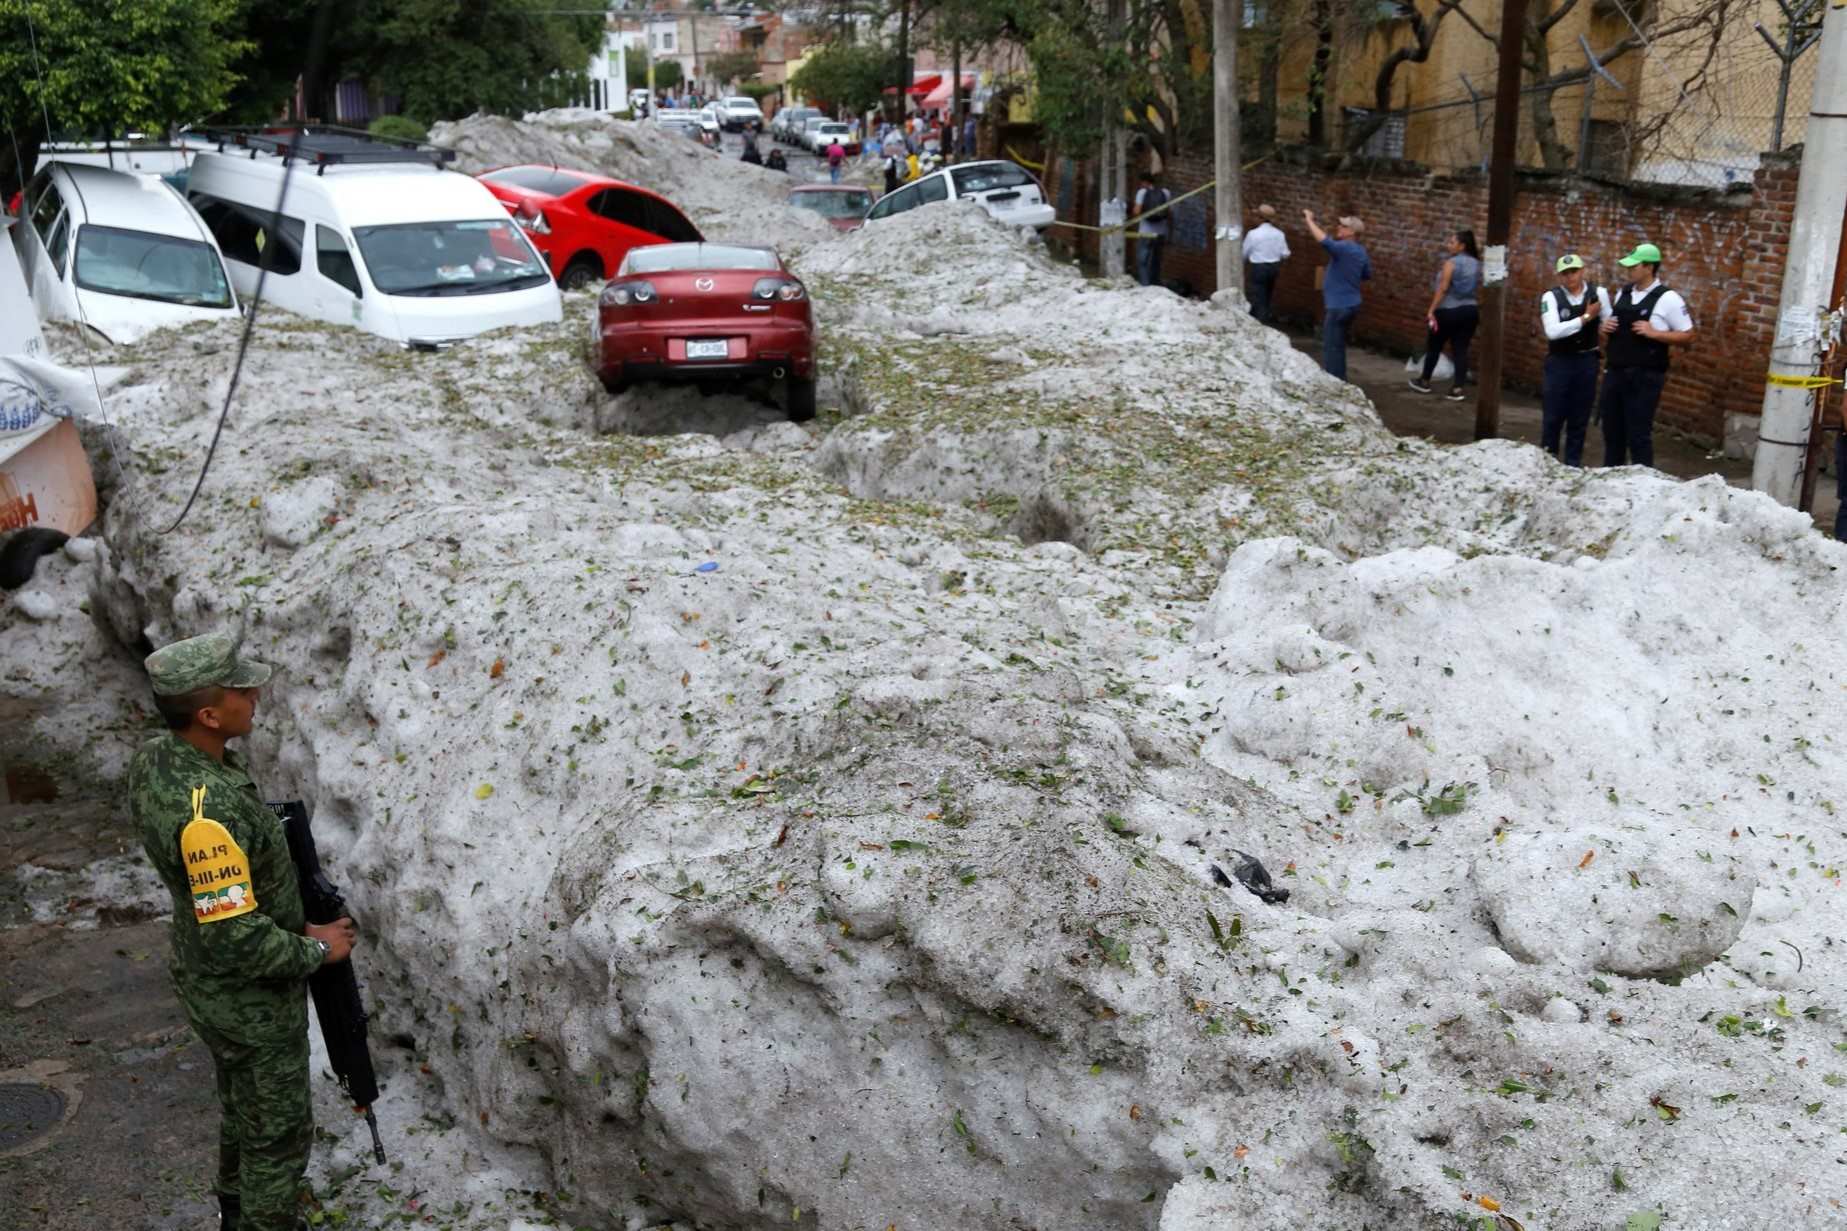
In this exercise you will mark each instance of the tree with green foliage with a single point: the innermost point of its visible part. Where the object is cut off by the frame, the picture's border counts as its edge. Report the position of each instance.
(97, 69)
(849, 76)
(732, 67)
(667, 73)
(1155, 71)
(447, 58)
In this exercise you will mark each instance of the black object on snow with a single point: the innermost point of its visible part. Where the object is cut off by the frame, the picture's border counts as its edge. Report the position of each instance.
(20, 557)
(1253, 876)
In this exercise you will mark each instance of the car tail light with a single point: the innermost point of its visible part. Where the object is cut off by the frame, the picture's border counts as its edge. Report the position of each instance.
(624, 294)
(532, 220)
(786, 289)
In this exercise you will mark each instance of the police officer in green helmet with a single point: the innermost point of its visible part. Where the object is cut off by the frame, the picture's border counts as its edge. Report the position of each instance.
(242, 950)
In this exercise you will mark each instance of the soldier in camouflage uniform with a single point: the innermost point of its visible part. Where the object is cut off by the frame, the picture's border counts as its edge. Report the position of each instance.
(242, 951)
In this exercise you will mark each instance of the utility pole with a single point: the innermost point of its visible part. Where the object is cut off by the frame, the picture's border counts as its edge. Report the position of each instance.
(1228, 199)
(1821, 199)
(1113, 169)
(955, 103)
(1818, 422)
(1500, 221)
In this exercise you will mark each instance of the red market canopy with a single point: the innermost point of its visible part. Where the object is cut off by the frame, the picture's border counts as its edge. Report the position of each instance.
(920, 87)
(939, 97)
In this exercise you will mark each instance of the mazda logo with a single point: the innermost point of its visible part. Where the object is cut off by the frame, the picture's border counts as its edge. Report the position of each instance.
(703, 284)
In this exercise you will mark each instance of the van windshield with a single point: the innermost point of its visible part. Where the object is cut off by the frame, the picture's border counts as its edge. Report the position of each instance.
(449, 258)
(141, 265)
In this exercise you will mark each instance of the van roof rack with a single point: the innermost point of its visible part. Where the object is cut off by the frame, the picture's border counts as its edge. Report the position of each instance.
(324, 145)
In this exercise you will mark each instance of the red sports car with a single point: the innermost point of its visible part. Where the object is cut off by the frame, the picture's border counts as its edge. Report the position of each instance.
(707, 313)
(585, 224)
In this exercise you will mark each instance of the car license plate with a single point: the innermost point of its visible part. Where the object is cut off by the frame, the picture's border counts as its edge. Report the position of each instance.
(708, 350)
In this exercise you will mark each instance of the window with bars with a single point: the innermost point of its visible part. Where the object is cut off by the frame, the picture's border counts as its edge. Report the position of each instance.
(1387, 142)
(1606, 152)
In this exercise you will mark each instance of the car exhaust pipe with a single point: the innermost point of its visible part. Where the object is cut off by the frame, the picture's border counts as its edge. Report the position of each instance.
(775, 373)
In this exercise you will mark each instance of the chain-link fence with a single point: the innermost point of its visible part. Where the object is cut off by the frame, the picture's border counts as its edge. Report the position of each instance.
(1699, 93)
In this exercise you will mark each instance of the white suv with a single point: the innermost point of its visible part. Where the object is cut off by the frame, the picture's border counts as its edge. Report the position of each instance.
(737, 112)
(1002, 188)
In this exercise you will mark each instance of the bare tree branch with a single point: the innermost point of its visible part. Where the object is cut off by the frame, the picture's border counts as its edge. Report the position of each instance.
(1544, 24)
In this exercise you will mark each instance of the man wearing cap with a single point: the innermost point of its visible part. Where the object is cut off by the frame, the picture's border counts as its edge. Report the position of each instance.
(1644, 321)
(1265, 249)
(1348, 266)
(1570, 313)
(242, 949)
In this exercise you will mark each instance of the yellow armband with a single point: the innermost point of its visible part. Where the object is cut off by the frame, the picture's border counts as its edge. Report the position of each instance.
(215, 867)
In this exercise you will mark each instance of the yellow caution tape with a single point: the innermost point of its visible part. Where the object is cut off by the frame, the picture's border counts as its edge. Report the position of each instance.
(1159, 209)
(1022, 160)
(1800, 382)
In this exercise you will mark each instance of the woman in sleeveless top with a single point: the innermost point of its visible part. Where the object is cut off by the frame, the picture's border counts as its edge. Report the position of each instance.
(1454, 313)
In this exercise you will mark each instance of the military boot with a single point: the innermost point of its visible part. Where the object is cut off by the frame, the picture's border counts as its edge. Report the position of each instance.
(228, 1212)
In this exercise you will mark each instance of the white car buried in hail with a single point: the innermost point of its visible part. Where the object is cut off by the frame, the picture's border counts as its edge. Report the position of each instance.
(1002, 188)
(738, 112)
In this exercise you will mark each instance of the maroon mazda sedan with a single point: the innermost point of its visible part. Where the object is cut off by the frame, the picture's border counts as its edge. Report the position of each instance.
(707, 313)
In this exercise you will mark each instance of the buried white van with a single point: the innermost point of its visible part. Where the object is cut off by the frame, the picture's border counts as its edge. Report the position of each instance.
(371, 233)
(117, 251)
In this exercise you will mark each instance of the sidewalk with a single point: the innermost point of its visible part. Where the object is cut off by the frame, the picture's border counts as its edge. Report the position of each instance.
(1429, 415)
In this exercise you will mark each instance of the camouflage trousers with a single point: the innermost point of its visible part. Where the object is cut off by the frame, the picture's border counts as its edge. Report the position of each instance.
(260, 1051)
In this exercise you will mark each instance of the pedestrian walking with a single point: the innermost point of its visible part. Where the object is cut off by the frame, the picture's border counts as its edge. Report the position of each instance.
(751, 153)
(1348, 266)
(1454, 313)
(836, 157)
(242, 949)
(1151, 230)
(1646, 319)
(969, 137)
(1570, 313)
(1265, 250)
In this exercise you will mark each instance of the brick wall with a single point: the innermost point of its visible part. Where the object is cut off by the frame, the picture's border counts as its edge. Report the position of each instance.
(1724, 252)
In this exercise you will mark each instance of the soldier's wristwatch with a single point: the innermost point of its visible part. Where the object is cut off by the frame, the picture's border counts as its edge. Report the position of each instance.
(325, 947)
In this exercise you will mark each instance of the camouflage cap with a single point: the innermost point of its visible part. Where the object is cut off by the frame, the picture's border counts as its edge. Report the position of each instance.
(203, 662)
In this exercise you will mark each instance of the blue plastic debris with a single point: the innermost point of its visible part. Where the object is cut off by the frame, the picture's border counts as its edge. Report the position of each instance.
(710, 566)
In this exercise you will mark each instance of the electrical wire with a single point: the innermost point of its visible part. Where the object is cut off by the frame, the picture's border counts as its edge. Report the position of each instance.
(316, 46)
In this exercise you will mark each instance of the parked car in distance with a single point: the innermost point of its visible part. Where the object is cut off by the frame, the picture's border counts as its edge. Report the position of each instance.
(823, 135)
(788, 122)
(710, 314)
(804, 136)
(119, 251)
(585, 224)
(683, 122)
(843, 205)
(374, 233)
(738, 111)
(1002, 188)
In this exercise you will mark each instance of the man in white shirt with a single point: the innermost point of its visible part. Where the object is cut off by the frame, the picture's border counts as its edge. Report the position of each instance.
(1265, 249)
(1570, 313)
(1645, 320)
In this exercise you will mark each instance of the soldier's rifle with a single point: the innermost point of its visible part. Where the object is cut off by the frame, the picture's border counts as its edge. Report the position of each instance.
(334, 988)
